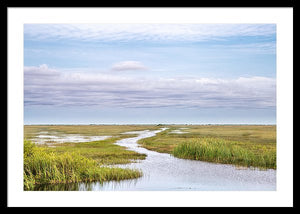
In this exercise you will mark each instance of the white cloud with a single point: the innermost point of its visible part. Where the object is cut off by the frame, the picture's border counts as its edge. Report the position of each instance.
(81, 89)
(148, 32)
(128, 65)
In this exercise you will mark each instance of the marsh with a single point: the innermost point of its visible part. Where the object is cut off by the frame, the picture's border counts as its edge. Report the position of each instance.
(162, 171)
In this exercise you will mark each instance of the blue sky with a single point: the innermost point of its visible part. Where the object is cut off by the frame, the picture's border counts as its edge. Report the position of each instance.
(149, 73)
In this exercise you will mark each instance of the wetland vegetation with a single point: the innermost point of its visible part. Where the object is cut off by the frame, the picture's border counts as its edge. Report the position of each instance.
(77, 162)
(243, 145)
(72, 162)
(42, 166)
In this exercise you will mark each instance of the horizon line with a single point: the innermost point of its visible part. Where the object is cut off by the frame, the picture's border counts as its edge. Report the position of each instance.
(161, 124)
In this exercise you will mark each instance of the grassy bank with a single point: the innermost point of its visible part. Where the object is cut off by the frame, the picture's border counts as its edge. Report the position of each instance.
(104, 152)
(243, 145)
(223, 151)
(78, 162)
(42, 166)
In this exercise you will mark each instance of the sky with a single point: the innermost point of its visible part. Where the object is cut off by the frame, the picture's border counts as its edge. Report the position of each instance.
(149, 73)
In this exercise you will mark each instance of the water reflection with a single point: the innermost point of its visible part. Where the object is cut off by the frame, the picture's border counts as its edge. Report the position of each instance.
(58, 187)
(89, 186)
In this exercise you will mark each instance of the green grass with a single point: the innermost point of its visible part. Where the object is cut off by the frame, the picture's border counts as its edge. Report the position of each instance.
(243, 145)
(42, 166)
(104, 152)
(255, 144)
(223, 151)
(78, 162)
(31, 131)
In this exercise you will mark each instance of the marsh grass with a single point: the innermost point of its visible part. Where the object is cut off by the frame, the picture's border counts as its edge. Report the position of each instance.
(31, 131)
(242, 145)
(223, 151)
(104, 152)
(78, 162)
(42, 166)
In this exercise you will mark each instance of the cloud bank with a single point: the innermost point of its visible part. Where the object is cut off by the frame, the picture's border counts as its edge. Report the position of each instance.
(52, 87)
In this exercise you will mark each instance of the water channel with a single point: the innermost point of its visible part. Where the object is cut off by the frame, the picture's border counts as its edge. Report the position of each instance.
(164, 172)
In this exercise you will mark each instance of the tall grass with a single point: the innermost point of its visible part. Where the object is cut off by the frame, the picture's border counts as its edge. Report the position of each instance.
(43, 167)
(224, 151)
